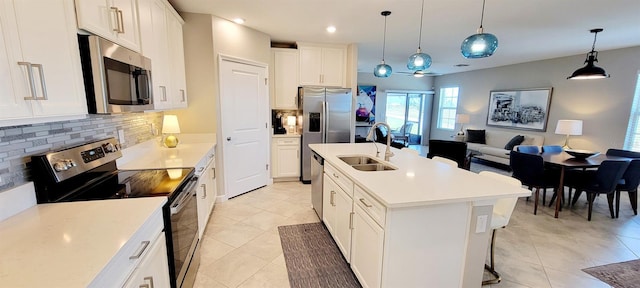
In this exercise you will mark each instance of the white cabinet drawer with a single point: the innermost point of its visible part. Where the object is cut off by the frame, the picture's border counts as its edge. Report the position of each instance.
(345, 183)
(205, 161)
(288, 141)
(375, 209)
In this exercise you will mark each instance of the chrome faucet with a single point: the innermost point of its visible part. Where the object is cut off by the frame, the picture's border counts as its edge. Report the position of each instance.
(387, 153)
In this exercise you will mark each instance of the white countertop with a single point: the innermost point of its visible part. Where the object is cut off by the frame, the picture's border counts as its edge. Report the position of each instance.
(418, 180)
(151, 155)
(68, 244)
(285, 136)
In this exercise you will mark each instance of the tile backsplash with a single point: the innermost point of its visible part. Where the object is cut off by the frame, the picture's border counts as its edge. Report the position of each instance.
(18, 143)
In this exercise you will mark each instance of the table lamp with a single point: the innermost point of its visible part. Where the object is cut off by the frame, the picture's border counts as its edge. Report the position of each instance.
(170, 126)
(568, 127)
(462, 119)
(291, 121)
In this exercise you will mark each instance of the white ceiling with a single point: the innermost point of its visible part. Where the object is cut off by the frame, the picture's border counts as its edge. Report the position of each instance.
(527, 30)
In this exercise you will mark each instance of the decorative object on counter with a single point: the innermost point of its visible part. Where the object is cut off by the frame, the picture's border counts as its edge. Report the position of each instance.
(291, 121)
(524, 109)
(312, 257)
(581, 154)
(383, 70)
(590, 71)
(419, 61)
(170, 126)
(278, 124)
(481, 44)
(462, 119)
(568, 127)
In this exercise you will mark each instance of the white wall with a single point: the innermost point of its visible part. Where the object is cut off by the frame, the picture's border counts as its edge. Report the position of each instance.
(603, 104)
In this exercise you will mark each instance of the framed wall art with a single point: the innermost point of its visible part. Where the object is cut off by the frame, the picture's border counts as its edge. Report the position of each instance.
(525, 109)
(366, 104)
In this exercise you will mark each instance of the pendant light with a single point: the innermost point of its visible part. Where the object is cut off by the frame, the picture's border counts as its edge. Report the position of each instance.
(419, 60)
(383, 70)
(590, 71)
(481, 44)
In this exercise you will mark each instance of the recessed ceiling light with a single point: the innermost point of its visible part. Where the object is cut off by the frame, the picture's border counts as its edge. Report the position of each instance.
(331, 29)
(461, 65)
(238, 21)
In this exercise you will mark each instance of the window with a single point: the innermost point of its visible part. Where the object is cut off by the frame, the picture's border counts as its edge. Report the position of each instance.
(447, 108)
(632, 139)
(404, 114)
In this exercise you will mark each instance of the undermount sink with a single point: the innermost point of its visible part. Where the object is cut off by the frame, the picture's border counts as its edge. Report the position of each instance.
(366, 163)
(373, 167)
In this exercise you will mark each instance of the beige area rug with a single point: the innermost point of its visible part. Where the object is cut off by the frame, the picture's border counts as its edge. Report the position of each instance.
(618, 275)
(313, 259)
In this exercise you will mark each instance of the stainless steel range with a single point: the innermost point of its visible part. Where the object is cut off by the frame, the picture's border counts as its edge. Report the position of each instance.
(88, 172)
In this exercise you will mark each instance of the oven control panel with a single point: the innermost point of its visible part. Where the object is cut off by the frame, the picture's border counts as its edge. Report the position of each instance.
(76, 160)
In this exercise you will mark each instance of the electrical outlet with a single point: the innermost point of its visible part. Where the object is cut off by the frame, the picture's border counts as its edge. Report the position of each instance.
(481, 223)
(154, 130)
(121, 136)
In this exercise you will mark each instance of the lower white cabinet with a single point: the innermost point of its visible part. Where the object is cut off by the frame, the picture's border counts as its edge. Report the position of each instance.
(285, 153)
(206, 192)
(153, 269)
(337, 215)
(367, 248)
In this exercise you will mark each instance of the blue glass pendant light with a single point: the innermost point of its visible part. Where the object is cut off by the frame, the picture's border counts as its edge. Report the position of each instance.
(383, 70)
(419, 61)
(590, 71)
(481, 44)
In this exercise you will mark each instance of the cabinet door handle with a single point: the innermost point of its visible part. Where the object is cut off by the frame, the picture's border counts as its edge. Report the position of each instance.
(214, 173)
(164, 93)
(144, 286)
(42, 82)
(121, 22)
(365, 203)
(336, 175)
(32, 85)
(115, 13)
(331, 198)
(150, 281)
(351, 220)
(144, 245)
(204, 188)
(184, 98)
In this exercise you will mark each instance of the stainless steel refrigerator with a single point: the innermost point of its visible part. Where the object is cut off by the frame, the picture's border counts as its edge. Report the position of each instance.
(327, 114)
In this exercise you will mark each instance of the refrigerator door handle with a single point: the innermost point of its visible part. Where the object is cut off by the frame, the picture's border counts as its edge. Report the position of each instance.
(324, 120)
(325, 131)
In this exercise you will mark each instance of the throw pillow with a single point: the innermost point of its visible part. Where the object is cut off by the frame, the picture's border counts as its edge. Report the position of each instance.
(517, 140)
(476, 136)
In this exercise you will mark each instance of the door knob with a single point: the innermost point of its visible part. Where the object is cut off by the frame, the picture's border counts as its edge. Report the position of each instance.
(228, 138)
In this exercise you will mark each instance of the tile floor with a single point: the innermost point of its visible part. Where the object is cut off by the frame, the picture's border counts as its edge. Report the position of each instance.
(241, 246)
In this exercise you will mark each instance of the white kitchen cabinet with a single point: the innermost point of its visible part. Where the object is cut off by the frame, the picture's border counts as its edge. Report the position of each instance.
(115, 20)
(284, 78)
(206, 190)
(178, 90)
(153, 269)
(337, 214)
(285, 156)
(38, 82)
(322, 65)
(367, 248)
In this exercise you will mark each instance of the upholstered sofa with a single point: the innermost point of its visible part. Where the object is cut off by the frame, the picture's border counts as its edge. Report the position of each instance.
(495, 142)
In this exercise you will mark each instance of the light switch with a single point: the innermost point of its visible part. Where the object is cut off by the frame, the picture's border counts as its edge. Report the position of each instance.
(481, 224)
(121, 136)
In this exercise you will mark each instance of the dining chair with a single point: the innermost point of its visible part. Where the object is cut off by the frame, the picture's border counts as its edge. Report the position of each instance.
(502, 211)
(445, 161)
(454, 150)
(604, 180)
(529, 169)
(631, 179)
(531, 149)
(552, 149)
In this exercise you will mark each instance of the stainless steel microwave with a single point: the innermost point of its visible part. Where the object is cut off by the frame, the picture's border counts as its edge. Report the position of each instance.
(116, 79)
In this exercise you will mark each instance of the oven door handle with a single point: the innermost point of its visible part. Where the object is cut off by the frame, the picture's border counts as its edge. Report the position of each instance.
(188, 191)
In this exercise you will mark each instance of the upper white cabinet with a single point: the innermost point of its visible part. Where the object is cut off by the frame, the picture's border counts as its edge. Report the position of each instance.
(284, 78)
(322, 65)
(115, 20)
(178, 90)
(40, 72)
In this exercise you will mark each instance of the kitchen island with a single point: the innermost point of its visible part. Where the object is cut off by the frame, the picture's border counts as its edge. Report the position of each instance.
(423, 224)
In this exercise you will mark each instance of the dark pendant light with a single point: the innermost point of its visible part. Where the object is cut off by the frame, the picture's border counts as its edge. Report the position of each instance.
(481, 44)
(383, 70)
(590, 71)
(419, 60)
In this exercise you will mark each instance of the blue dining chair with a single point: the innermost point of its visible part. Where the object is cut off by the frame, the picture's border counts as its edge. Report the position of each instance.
(530, 149)
(551, 149)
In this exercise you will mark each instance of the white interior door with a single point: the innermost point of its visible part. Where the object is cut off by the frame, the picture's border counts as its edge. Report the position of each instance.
(243, 106)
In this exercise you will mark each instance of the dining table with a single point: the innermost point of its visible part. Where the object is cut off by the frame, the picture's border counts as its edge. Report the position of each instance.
(564, 161)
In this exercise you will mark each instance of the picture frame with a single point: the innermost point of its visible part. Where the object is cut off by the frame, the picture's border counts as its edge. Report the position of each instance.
(366, 104)
(523, 109)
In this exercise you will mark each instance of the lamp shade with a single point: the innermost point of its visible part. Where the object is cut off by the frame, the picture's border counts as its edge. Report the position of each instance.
(462, 118)
(291, 120)
(569, 127)
(479, 45)
(170, 124)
